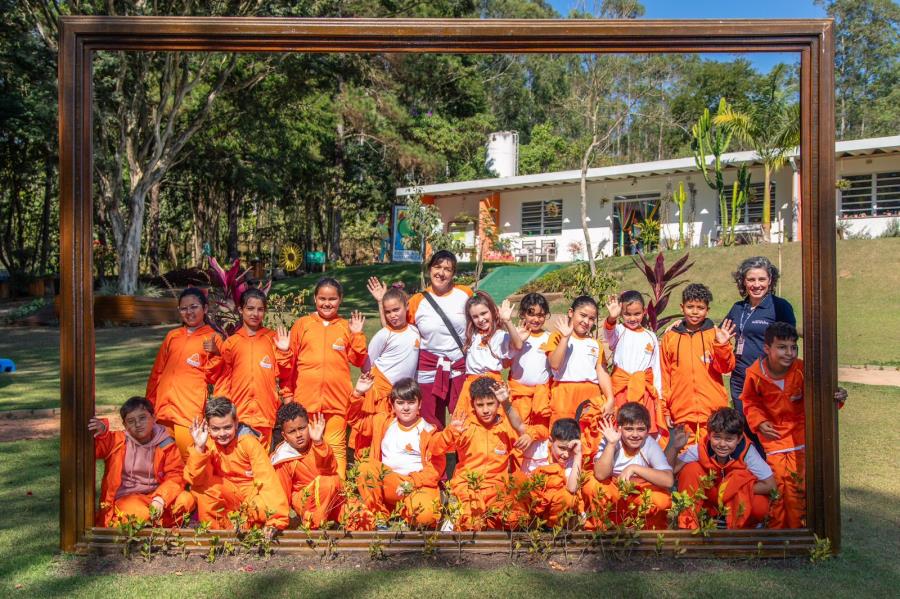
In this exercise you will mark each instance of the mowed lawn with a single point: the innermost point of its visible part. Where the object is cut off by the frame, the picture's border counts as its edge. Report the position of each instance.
(30, 563)
(868, 316)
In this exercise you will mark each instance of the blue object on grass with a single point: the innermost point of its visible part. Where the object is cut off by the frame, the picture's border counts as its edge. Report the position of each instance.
(7, 365)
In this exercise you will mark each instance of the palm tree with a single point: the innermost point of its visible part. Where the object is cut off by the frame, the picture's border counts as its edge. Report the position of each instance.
(771, 127)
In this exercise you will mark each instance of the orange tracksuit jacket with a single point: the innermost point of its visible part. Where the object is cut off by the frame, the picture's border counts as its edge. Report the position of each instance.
(692, 368)
(110, 447)
(224, 477)
(733, 486)
(323, 351)
(248, 373)
(178, 382)
(311, 484)
(485, 451)
(764, 400)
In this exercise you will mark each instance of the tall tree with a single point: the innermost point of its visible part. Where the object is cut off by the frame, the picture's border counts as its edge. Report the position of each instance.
(771, 127)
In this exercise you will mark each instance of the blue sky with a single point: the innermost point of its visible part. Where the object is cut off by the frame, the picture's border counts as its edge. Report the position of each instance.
(720, 9)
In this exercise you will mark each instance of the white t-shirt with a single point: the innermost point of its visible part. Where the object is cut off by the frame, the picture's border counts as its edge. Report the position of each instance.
(580, 363)
(755, 462)
(401, 448)
(394, 353)
(434, 334)
(487, 357)
(650, 455)
(635, 351)
(530, 366)
(538, 454)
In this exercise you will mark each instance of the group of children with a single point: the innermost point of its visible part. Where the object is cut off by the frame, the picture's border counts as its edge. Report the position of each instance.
(560, 441)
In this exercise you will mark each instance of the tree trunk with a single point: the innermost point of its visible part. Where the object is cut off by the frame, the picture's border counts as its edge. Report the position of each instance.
(128, 242)
(153, 240)
(233, 212)
(767, 204)
(45, 217)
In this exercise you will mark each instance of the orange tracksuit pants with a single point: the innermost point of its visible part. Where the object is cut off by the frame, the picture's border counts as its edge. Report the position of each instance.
(319, 502)
(689, 480)
(604, 504)
(378, 488)
(790, 477)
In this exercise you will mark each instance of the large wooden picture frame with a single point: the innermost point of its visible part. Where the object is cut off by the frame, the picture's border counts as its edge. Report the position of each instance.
(812, 39)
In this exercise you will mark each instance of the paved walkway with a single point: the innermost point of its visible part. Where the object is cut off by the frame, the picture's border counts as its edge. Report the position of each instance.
(889, 377)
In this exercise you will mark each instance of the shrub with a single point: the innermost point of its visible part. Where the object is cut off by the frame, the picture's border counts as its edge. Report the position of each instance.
(892, 229)
(573, 281)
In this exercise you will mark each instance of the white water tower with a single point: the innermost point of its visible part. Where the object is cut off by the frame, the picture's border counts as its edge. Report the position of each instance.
(503, 153)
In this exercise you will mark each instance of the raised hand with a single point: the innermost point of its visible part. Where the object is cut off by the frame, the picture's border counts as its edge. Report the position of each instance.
(365, 382)
(96, 426)
(576, 449)
(199, 433)
(523, 330)
(357, 321)
(610, 431)
(679, 437)
(613, 307)
(563, 325)
(725, 332)
(627, 473)
(506, 311)
(210, 347)
(316, 428)
(840, 396)
(459, 422)
(501, 392)
(282, 339)
(376, 288)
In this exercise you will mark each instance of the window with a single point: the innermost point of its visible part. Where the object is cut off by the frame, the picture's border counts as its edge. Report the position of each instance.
(628, 212)
(542, 218)
(753, 208)
(877, 194)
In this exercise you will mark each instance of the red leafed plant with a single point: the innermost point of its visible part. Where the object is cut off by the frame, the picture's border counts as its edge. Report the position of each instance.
(662, 283)
(225, 294)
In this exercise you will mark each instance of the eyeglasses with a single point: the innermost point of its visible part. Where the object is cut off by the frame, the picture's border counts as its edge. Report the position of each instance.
(191, 308)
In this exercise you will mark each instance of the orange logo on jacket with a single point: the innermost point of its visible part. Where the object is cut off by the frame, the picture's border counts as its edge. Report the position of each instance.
(338, 344)
(649, 348)
(194, 360)
(266, 363)
(409, 448)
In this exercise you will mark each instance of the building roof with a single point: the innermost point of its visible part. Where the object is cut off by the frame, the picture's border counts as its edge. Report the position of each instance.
(854, 147)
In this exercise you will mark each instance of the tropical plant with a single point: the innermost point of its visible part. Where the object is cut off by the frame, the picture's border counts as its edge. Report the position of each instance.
(680, 198)
(662, 283)
(709, 139)
(771, 126)
(426, 230)
(226, 291)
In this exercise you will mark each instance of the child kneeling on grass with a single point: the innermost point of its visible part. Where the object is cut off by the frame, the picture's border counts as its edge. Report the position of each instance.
(483, 442)
(775, 411)
(632, 478)
(548, 484)
(733, 481)
(306, 467)
(143, 469)
(229, 471)
(399, 478)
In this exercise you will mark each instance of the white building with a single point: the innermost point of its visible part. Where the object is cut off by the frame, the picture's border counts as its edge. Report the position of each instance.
(542, 213)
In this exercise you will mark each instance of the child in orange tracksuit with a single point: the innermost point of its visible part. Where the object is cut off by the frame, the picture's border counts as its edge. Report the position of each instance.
(324, 345)
(491, 339)
(393, 354)
(143, 468)
(400, 476)
(636, 375)
(483, 442)
(181, 374)
(552, 470)
(306, 467)
(529, 373)
(577, 362)
(775, 411)
(252, 362)
(229, 471)
(695, 355)
(628, 454)
(742, 480)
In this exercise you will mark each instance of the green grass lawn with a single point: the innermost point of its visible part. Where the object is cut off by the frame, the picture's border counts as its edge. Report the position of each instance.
(867, 567)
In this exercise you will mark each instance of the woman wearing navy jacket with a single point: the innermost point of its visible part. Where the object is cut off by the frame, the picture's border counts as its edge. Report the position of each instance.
(756, 279)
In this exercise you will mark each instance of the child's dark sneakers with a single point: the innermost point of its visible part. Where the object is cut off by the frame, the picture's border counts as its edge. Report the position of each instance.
(721, 522)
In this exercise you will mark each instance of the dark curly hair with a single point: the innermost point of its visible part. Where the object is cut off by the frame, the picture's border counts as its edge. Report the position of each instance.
(749, 264)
